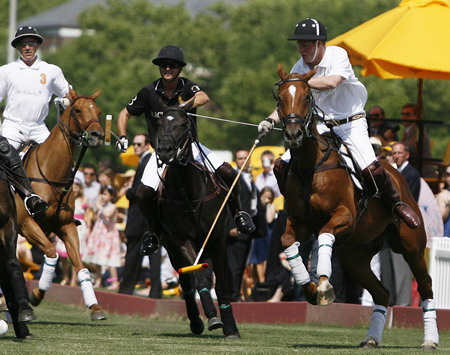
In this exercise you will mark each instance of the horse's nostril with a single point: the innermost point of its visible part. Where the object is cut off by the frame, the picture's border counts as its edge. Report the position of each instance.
(96, 134)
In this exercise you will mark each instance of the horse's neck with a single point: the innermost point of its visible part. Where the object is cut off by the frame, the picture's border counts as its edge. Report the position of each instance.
(59, 151)
(188, 178)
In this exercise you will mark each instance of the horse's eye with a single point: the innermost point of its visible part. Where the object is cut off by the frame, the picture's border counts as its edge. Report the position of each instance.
(77, 110)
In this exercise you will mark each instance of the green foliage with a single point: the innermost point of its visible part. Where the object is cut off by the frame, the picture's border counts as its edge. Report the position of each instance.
(232, 51)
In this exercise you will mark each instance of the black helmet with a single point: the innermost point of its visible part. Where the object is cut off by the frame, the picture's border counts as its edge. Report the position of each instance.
(309, 30)
(170, 53)
(26, 31)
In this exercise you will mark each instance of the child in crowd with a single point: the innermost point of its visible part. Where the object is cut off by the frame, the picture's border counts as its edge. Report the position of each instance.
(103, 245)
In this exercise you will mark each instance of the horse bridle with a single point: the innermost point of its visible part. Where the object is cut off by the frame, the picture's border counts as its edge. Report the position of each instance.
(181, 144)
(295, 118)
(80, 135)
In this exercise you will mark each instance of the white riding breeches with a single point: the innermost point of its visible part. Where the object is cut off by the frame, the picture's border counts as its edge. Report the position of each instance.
(154, 168)
(355, 136)
(18, 132)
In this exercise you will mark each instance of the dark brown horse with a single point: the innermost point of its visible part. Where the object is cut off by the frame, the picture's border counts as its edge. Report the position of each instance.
(190, 199)
(50, 168)
(12, 280)
(322, 200)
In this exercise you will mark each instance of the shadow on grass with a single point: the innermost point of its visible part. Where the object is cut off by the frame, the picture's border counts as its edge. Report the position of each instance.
(190, 335)
(96, 324)
(338, 346)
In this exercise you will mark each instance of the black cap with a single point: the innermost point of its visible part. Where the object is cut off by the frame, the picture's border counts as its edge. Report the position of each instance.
(26, 31)
(170, 53)
(309, 30)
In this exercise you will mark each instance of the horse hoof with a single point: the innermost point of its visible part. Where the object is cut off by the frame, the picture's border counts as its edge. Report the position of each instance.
(429, 345)
(325, 294)
(36, 297)
(233, 336)
(26, 316)
(30, 337)
(197, 326)
(214, 323)
(369, 343)
(98, 315)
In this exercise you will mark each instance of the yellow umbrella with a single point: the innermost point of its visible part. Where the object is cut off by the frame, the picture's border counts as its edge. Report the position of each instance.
(409, 41)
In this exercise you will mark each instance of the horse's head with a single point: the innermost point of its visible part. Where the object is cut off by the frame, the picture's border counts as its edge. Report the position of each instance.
(82, 119)
(174, 134)
(295, 105)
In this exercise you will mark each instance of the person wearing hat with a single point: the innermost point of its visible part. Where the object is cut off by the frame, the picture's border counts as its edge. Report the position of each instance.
(28, 84)
(170, 89)
(341, 98)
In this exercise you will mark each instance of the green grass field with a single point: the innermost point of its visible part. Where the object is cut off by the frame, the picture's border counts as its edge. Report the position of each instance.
(62, 329)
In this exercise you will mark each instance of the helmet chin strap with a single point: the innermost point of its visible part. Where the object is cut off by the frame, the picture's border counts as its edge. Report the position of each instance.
(26, 60)
(315, 51)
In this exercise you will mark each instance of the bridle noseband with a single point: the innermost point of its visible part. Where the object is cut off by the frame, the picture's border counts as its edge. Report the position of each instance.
(81, 134)
(293, 117)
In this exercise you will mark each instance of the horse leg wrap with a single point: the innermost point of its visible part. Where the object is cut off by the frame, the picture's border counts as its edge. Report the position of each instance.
(430, 321)
(84, 278)
(48, 271)
(298, 268)
(377, 322)
(326, 241)
(229, 323)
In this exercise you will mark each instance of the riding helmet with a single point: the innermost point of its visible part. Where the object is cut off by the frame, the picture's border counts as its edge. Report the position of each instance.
(309, 30)
(26, 31)
(170, 53)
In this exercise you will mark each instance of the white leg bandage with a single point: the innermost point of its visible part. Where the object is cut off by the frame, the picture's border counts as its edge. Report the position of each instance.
(377, 322)
(298, 269)
(48, 272)
(326, 241)
(84, 278)
(430, 321)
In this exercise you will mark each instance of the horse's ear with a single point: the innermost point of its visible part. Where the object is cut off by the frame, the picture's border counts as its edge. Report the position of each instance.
(73, 95)
(310, 74)
(281, 72)
(187, 105)
(96, 94)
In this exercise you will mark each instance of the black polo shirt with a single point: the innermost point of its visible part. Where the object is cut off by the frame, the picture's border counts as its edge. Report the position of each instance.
(149, 99)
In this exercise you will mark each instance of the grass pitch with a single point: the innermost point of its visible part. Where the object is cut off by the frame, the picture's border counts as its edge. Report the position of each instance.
(62, 329)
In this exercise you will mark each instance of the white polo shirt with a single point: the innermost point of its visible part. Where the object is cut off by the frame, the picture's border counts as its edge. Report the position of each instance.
(348, 98)
(29, 90)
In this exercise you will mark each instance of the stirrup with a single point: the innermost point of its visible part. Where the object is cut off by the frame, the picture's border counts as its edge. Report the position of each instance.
(244, 223)
(36, 208)
(150, 243)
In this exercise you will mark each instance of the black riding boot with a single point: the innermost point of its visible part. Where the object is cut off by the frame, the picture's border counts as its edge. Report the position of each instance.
(34, 204)
(281, 169)
(147, 200)
(389, 193)
(244, 222)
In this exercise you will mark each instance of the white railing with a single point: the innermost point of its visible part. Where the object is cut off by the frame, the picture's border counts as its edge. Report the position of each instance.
(440, 270)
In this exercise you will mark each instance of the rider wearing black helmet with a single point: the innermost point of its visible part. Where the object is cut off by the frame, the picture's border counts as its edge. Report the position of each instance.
(171, 89)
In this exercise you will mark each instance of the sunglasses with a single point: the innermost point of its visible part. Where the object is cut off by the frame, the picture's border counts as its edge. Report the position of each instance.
(407, 114)
(138, 144)
(30, 44)
(171, 65)
(89, 174)
(374, 115)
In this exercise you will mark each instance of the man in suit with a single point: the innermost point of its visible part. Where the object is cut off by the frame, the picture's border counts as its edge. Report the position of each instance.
(396, 275)
(136, 226)
(239, 243)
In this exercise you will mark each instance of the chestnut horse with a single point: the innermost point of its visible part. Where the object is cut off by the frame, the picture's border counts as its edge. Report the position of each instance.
(12, 280)
(189, 201)
(321, 198)
(50, 168)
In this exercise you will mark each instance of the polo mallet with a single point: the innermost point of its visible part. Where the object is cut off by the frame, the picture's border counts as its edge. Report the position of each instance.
(197, 266)
(108, 125)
